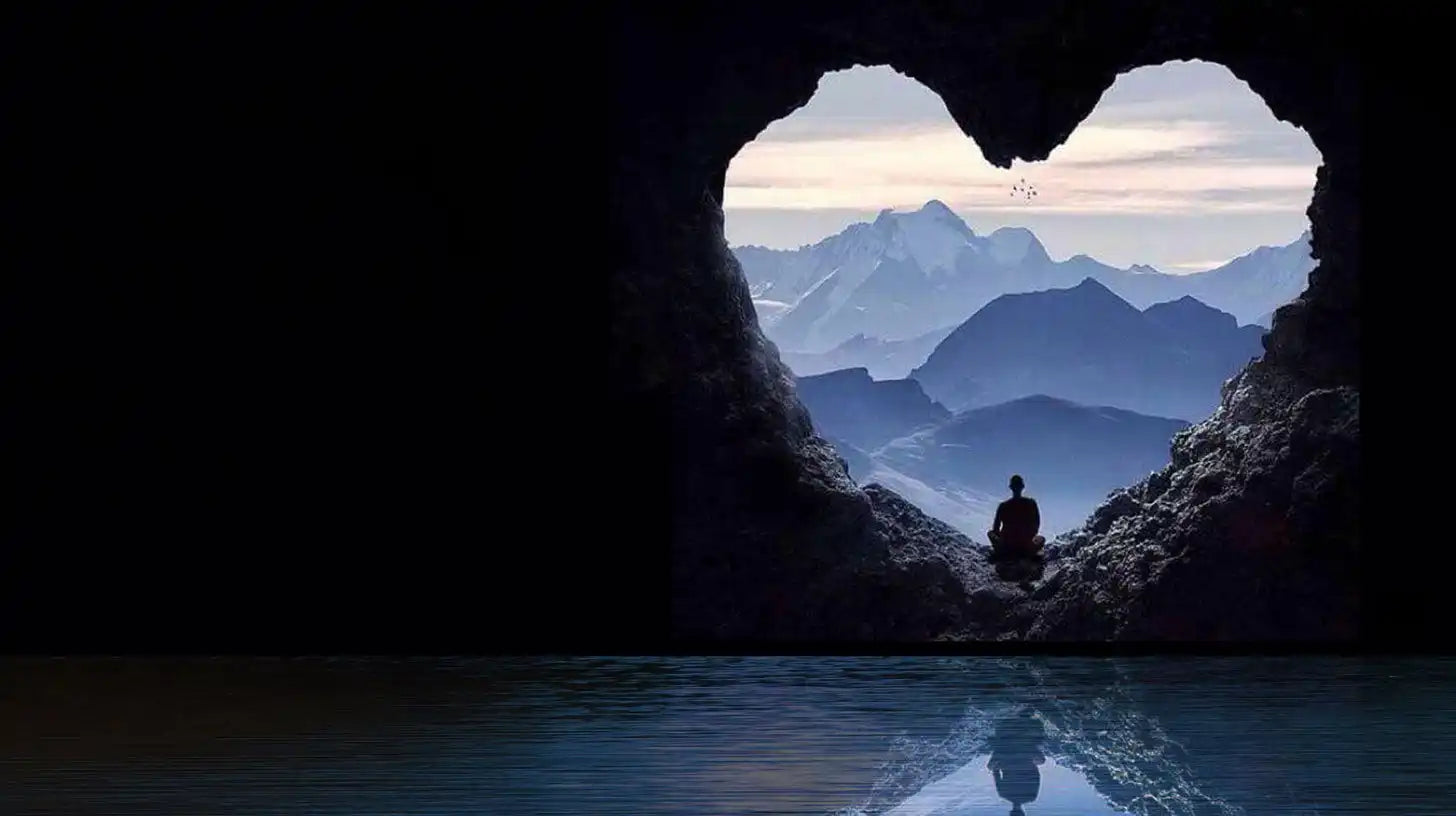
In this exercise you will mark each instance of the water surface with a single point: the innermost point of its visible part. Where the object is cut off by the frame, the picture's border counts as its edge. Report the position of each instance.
(759, 735)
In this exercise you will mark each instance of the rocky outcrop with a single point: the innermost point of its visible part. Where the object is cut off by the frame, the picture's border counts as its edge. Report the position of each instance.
(1250, 534)
(884, 572)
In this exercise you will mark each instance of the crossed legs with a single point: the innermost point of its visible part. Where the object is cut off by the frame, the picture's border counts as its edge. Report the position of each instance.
(1000, 546)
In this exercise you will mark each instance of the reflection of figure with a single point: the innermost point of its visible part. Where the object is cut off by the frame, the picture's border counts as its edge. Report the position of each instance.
(1016, 750)
(1014, 532)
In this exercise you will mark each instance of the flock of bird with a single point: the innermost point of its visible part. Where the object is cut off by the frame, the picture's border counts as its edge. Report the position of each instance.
(1027, 191)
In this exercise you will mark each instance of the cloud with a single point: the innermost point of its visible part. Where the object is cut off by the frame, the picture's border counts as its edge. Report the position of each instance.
(1187, 267)
(942, 150)
(1117, 144)
(1180, 167)
(963, 200)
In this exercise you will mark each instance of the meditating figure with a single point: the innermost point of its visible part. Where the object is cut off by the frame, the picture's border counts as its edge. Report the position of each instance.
(1014, 532)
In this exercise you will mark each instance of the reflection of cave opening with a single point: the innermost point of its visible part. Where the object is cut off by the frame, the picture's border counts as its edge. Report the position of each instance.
(951, 323)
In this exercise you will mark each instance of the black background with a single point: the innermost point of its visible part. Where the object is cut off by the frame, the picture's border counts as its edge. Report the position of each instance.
(276, 289)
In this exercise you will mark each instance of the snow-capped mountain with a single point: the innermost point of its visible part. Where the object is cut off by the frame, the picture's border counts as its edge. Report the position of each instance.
(908, 274)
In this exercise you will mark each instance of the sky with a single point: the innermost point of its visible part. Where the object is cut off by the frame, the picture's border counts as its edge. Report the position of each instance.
(1181, 166)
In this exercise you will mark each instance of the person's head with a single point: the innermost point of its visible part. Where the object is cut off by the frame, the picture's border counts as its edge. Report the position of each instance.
(1017, 484)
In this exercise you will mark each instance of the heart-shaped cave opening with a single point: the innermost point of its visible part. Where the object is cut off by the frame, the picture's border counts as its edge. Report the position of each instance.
(1248, 532)
(950, 323)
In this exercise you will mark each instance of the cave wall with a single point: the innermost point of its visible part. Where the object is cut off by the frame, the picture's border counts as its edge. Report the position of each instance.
(758, 502)
(265, 367)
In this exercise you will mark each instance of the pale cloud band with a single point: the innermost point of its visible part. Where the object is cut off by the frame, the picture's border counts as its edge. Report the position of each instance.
(1181, 141)
(1103, 169)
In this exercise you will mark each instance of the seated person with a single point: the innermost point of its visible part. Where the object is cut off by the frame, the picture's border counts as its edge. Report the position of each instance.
(1014, 532)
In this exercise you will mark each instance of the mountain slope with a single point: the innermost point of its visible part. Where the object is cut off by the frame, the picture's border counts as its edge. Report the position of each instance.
(884, 359)
(1057, 445)
(955, 468)
(1087, 345)
(1248, 287)
(849, 406)
(1070, 455)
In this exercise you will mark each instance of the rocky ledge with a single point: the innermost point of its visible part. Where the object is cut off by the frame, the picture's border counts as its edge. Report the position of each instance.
(1251, 533)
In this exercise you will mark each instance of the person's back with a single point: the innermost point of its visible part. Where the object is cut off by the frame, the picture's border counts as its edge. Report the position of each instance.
(1018, 520)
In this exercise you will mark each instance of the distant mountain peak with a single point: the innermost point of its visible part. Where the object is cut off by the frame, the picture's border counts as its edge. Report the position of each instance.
(1187, 306)
(935, 211)
(1187, 312)
(1014, 245)
(920, 266)
(937, 207)
(1092, 290)
(1017, 232)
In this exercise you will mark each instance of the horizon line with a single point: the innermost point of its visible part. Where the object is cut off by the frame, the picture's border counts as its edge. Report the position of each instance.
(908, 210)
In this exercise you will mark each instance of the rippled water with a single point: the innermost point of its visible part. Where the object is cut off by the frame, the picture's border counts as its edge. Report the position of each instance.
(759, 735)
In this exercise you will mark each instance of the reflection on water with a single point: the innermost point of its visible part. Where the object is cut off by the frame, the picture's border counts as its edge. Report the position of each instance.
(902, 736)
(1045, 788)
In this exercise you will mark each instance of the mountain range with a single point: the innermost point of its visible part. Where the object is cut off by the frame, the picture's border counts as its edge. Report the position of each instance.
(955, 466)
(883, 359)
(908, 275)
(1087, 345)
(867, 413)
(938, 361)
(1076, 389)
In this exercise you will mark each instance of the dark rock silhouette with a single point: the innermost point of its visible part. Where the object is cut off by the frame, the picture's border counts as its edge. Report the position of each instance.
(1269, 487)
